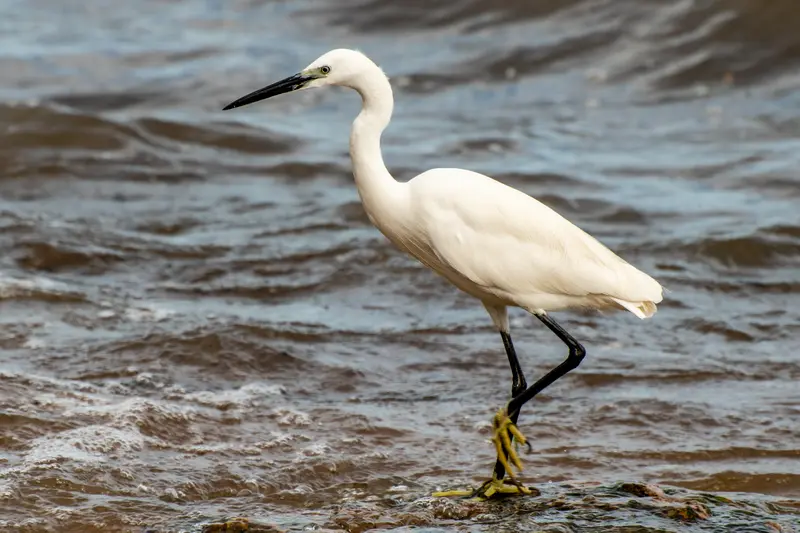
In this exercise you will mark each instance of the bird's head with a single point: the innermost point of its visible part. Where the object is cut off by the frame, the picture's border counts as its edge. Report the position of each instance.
(341, 67)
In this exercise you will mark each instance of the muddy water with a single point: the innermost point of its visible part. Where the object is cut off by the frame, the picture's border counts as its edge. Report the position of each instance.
(199, 322)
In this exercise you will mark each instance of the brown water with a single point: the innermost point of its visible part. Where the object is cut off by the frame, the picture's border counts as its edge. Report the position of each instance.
(199, 322)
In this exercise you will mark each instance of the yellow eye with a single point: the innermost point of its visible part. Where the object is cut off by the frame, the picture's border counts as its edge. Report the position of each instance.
(325, 69)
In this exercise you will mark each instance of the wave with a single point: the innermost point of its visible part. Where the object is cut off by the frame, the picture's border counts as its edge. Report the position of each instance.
(666, 46)
(45, 140)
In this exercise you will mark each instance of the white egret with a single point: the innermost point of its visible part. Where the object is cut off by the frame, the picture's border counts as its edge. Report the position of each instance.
(491, 241)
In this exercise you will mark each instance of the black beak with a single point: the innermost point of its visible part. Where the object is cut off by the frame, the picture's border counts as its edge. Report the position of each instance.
(292, 83)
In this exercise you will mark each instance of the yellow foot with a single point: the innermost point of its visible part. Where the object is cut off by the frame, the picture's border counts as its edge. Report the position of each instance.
(494, 488)
(504, 433)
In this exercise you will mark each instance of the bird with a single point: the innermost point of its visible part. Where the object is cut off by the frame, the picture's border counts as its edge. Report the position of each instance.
(490, 240)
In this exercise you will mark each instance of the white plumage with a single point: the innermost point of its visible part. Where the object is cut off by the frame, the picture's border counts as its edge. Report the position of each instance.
(492, 241)
(506, 248)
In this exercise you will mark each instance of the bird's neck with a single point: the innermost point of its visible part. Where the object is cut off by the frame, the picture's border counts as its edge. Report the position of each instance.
(377, 188)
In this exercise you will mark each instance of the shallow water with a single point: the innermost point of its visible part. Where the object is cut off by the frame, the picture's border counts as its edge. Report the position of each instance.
(199, 321)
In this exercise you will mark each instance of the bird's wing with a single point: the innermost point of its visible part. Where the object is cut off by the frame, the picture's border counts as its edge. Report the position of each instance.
(503, 239)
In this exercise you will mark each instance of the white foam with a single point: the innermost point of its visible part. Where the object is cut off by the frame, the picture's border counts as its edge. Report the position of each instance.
(288, 417)
(316, 449)
(247, 396)
(148, 313)
(89, 444)
(278, 439)
(32, 343)
(6, 490)
(129, 413)
(10, 286)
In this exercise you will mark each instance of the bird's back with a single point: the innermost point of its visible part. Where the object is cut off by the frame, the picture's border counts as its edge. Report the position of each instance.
(508, 246)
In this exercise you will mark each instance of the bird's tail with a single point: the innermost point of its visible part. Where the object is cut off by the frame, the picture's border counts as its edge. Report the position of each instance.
(641, 309)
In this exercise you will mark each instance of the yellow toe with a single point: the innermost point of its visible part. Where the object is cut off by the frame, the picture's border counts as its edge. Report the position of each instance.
(505, 437)
(504, 431)
(453, 493)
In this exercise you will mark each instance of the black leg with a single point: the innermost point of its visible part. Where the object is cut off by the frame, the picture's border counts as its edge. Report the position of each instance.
(576, 355)
(518, 386)
(518, 383)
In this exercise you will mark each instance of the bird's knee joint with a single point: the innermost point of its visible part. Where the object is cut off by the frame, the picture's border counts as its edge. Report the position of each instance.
(518, 387)
(576, 354)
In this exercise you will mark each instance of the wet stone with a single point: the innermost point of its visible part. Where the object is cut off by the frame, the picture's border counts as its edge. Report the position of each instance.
(240, 525)
(569, 507)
